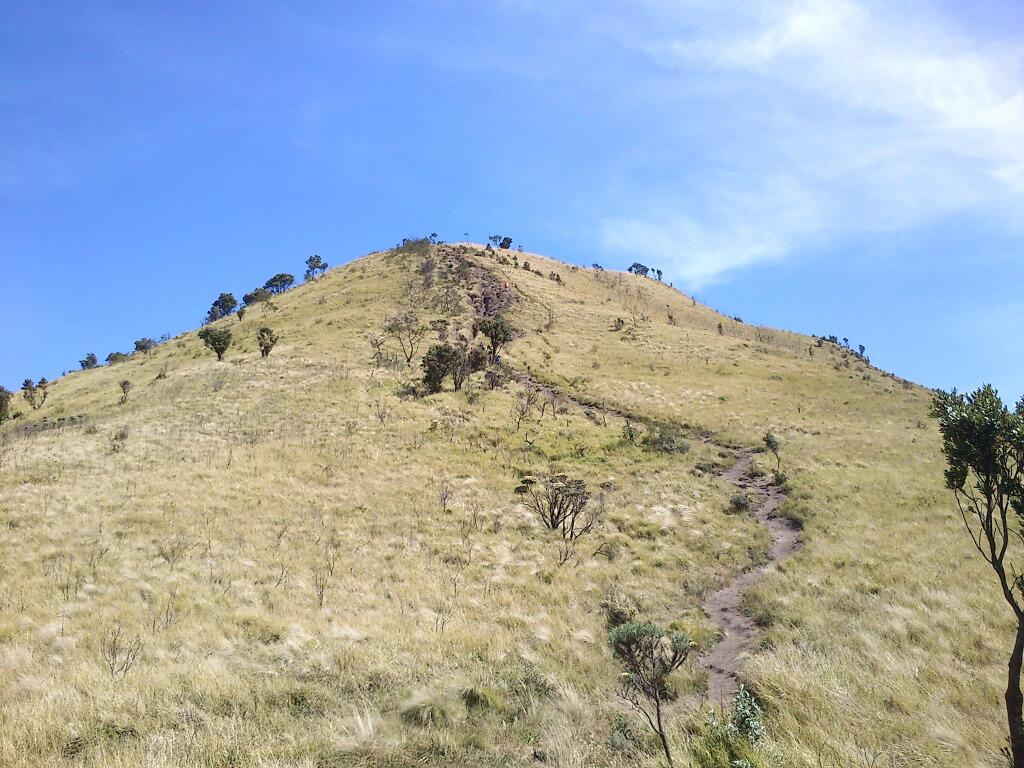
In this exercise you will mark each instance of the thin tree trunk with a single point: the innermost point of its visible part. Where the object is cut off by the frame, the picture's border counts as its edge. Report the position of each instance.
(1015, 700)
(664, 738)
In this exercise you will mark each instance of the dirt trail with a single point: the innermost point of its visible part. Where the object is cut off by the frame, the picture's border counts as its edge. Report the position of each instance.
(723, 607)
(740, 632)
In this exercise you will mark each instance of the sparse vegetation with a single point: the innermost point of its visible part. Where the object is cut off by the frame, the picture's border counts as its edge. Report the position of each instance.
(208, 533)
(126, 387)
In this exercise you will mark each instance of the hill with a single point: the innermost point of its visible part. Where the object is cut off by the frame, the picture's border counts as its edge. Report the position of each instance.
(306, 560)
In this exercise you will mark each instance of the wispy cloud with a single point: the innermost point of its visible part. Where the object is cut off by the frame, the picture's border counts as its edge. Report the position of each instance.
(855, 118)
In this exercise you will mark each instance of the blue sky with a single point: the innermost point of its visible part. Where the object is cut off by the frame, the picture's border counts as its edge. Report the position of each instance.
(827, 166)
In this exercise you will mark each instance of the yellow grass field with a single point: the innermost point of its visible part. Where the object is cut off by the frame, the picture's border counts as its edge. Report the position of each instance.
(292, 561)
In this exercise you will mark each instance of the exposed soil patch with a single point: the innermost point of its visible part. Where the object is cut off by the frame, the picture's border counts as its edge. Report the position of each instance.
(723, 607)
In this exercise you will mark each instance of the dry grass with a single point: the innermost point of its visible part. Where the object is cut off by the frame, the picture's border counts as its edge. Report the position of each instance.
(272, 532)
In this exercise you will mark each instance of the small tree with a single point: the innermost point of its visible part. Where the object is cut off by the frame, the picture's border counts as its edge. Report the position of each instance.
(5, 404)
(89, 361)
(265, 339)
(501, 241)
(314, 265)
(145, 345)
(126, 387)
(116, 357)
(223, 306)
(280, 282)
(35, 394)
(648, 656)
(437, 363)
(498, 332)
(639, 269)
(983, 442)
(771, 442)
(409, 331)
(216, 339)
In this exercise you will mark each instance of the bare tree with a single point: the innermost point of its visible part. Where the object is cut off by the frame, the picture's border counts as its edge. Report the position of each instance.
(119, 652)
(408, 331)
(561, 504)
(525, 402)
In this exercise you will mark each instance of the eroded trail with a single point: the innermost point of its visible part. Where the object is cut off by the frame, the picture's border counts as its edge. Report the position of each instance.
(723, 607)
(740, 632)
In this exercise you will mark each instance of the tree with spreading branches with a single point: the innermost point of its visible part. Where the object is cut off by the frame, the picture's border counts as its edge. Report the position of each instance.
(218, 340)
(409, 331)
(983, 442)
(223, 306)
(315, 265)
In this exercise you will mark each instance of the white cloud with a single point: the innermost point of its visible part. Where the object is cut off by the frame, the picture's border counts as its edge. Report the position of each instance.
(862, 118)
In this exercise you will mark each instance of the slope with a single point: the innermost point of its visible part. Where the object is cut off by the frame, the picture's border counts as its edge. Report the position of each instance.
(322, 567)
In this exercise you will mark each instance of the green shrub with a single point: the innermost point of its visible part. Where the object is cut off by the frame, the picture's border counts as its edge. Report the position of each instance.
(740, 502)
(665, 438)
(265, 340)
(5, 404)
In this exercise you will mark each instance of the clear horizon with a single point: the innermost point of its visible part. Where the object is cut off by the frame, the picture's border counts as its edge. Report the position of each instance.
(827, 166)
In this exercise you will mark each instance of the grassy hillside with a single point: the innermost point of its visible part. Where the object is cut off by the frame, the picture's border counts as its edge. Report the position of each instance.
(323, 568)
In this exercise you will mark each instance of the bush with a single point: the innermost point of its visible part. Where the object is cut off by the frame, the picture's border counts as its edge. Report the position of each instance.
(771, 442)
(665, 438)
(126, 387)
(265, 339)
(89, 361)
(145, 345)
(216, 339)
(5, 404)
(629, 432)
(437, 363)
(730, 743)
(740, 502)
(746, 716)
(458, 361)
